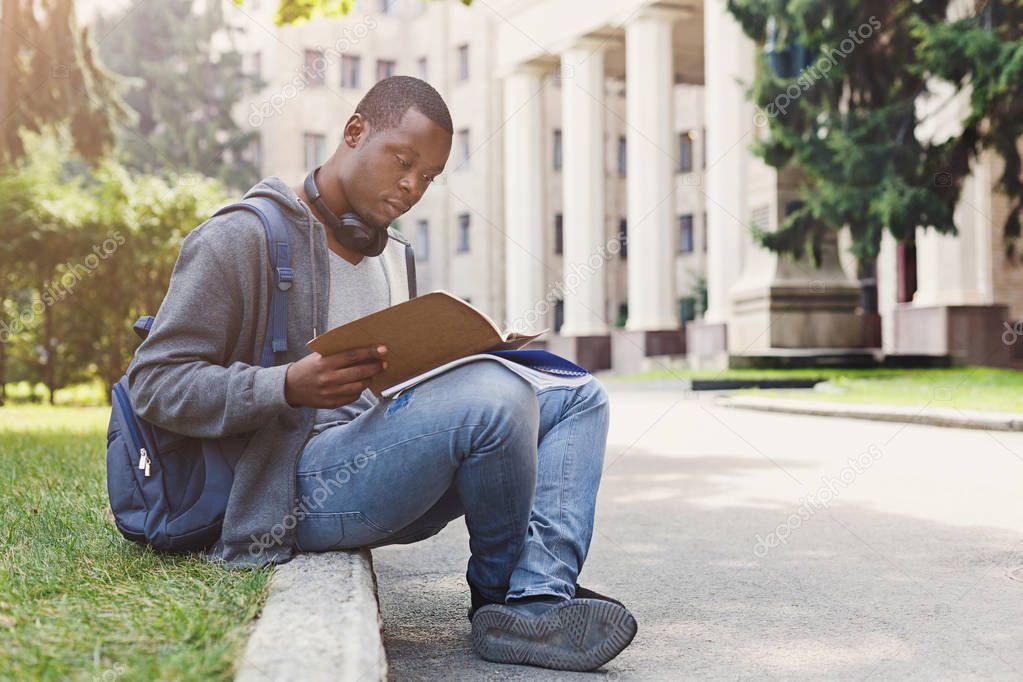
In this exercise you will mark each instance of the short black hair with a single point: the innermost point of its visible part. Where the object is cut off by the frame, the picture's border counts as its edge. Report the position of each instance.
(386, 103)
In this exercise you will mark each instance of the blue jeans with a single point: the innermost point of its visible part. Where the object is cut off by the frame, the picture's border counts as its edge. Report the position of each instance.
(522, 464)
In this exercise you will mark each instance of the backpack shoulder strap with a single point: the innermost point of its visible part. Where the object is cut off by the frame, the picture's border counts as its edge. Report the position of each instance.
(279, 247)
(410, 269)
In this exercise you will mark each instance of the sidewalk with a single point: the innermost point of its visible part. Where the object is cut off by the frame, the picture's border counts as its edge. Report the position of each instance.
(931, 416)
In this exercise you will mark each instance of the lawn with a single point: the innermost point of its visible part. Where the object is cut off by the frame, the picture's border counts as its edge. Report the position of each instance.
(975, 388)
(77, 601)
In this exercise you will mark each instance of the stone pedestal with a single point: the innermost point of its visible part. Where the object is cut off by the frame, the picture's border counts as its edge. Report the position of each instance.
(592, 352)
(638, 351)
(783, 303)
(796, 316)
(972, 333)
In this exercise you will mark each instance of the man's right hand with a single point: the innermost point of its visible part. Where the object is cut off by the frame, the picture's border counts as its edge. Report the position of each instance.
(329, 381)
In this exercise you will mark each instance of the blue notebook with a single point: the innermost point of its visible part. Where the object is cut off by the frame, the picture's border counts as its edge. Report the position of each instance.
(543, 361)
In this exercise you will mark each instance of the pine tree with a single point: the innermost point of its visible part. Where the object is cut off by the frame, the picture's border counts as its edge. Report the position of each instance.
(838, 85)
(49, 76)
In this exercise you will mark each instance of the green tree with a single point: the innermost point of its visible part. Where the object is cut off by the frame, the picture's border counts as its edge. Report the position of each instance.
(296, 11)
(838, 85)
(41, 210)
(183, 90)
(142, 220)
(50, 75)
(85, 251)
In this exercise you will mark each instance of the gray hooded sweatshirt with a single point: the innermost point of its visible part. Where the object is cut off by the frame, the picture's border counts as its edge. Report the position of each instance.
(198, 373)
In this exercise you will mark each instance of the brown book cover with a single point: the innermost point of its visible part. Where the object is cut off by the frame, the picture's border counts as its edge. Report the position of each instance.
(420, 334)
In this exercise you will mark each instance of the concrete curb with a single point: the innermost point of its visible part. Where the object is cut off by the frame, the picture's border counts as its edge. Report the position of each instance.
(953, 418)
(320, 622)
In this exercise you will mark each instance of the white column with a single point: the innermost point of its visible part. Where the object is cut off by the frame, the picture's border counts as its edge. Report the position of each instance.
(956, 269)
(728, 55)
(582, 134)
(524, 218)
(650, 172)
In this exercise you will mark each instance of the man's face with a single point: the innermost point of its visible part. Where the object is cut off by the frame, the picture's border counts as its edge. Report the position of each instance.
(389, 170)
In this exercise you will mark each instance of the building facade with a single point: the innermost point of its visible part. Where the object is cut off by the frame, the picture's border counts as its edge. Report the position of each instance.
(601, 185)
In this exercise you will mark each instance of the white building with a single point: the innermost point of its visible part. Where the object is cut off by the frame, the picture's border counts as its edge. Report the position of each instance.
(577, 122)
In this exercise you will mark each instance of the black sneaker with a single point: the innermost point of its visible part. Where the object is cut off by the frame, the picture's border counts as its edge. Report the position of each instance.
(572, 634)
(478, 600)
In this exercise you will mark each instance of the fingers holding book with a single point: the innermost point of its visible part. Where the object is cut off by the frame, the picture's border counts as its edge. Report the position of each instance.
(329, 381)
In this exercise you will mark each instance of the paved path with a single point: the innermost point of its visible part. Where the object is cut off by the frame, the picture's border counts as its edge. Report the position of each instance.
(897, 566)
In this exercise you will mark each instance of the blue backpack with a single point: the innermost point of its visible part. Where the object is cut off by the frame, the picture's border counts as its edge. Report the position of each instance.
(168, 490)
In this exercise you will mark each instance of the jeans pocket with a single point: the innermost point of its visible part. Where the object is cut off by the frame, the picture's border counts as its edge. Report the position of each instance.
(321, 532)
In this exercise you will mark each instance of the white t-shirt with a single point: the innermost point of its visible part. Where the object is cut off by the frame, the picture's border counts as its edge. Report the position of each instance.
(355, 291)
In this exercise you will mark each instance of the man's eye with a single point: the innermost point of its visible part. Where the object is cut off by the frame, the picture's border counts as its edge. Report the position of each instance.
(403, 162)
(430, 178)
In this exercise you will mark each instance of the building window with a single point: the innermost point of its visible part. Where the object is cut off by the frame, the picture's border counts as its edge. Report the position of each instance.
(705, 237)
(463, 233)
(621, 156)
(557, 150)
(685, 231)
(351, 65)
(315, 67)
(559, 315)
(462, 61)
(623, 238)
(423, 240)
(389, 7)
(385, 68)
(315, 150)
(421, 64)
(685, 152)
(559, 233)
(463, 148)
(703, 148)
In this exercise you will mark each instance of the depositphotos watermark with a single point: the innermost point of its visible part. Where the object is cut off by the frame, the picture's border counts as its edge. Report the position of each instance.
(578, 273)
(816, 71)
(326, 487)
(63, 286)
(818, 500)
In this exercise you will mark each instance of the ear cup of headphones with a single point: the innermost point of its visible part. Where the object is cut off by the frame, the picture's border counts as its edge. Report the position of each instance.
(349, 229)
(358, 236)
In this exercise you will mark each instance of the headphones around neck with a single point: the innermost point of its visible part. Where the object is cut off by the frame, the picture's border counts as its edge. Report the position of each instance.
(348, 228)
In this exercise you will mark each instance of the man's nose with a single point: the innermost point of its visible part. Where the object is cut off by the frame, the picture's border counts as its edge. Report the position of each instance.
(412, 187)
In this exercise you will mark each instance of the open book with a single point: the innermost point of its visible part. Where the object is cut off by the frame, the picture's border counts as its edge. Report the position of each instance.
(421, 334)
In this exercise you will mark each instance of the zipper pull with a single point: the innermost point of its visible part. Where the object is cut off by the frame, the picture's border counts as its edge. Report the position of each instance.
(144, 461)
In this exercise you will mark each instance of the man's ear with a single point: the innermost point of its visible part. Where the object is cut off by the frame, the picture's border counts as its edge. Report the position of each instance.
(355, 130)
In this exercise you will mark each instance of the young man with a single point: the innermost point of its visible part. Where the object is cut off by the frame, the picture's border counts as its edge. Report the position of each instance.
(328, 465)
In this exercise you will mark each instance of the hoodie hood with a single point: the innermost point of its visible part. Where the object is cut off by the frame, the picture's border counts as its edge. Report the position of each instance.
(299, 213)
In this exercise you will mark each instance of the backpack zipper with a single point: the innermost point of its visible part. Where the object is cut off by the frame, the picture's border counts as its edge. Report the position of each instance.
(136, 437)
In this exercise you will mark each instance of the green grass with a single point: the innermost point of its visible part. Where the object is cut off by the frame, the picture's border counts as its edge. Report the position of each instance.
(970, 388)
(77, 601)
(974, 388)
(78, 395)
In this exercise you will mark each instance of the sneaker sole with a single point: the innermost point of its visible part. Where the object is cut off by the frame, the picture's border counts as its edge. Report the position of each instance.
(555, 639)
